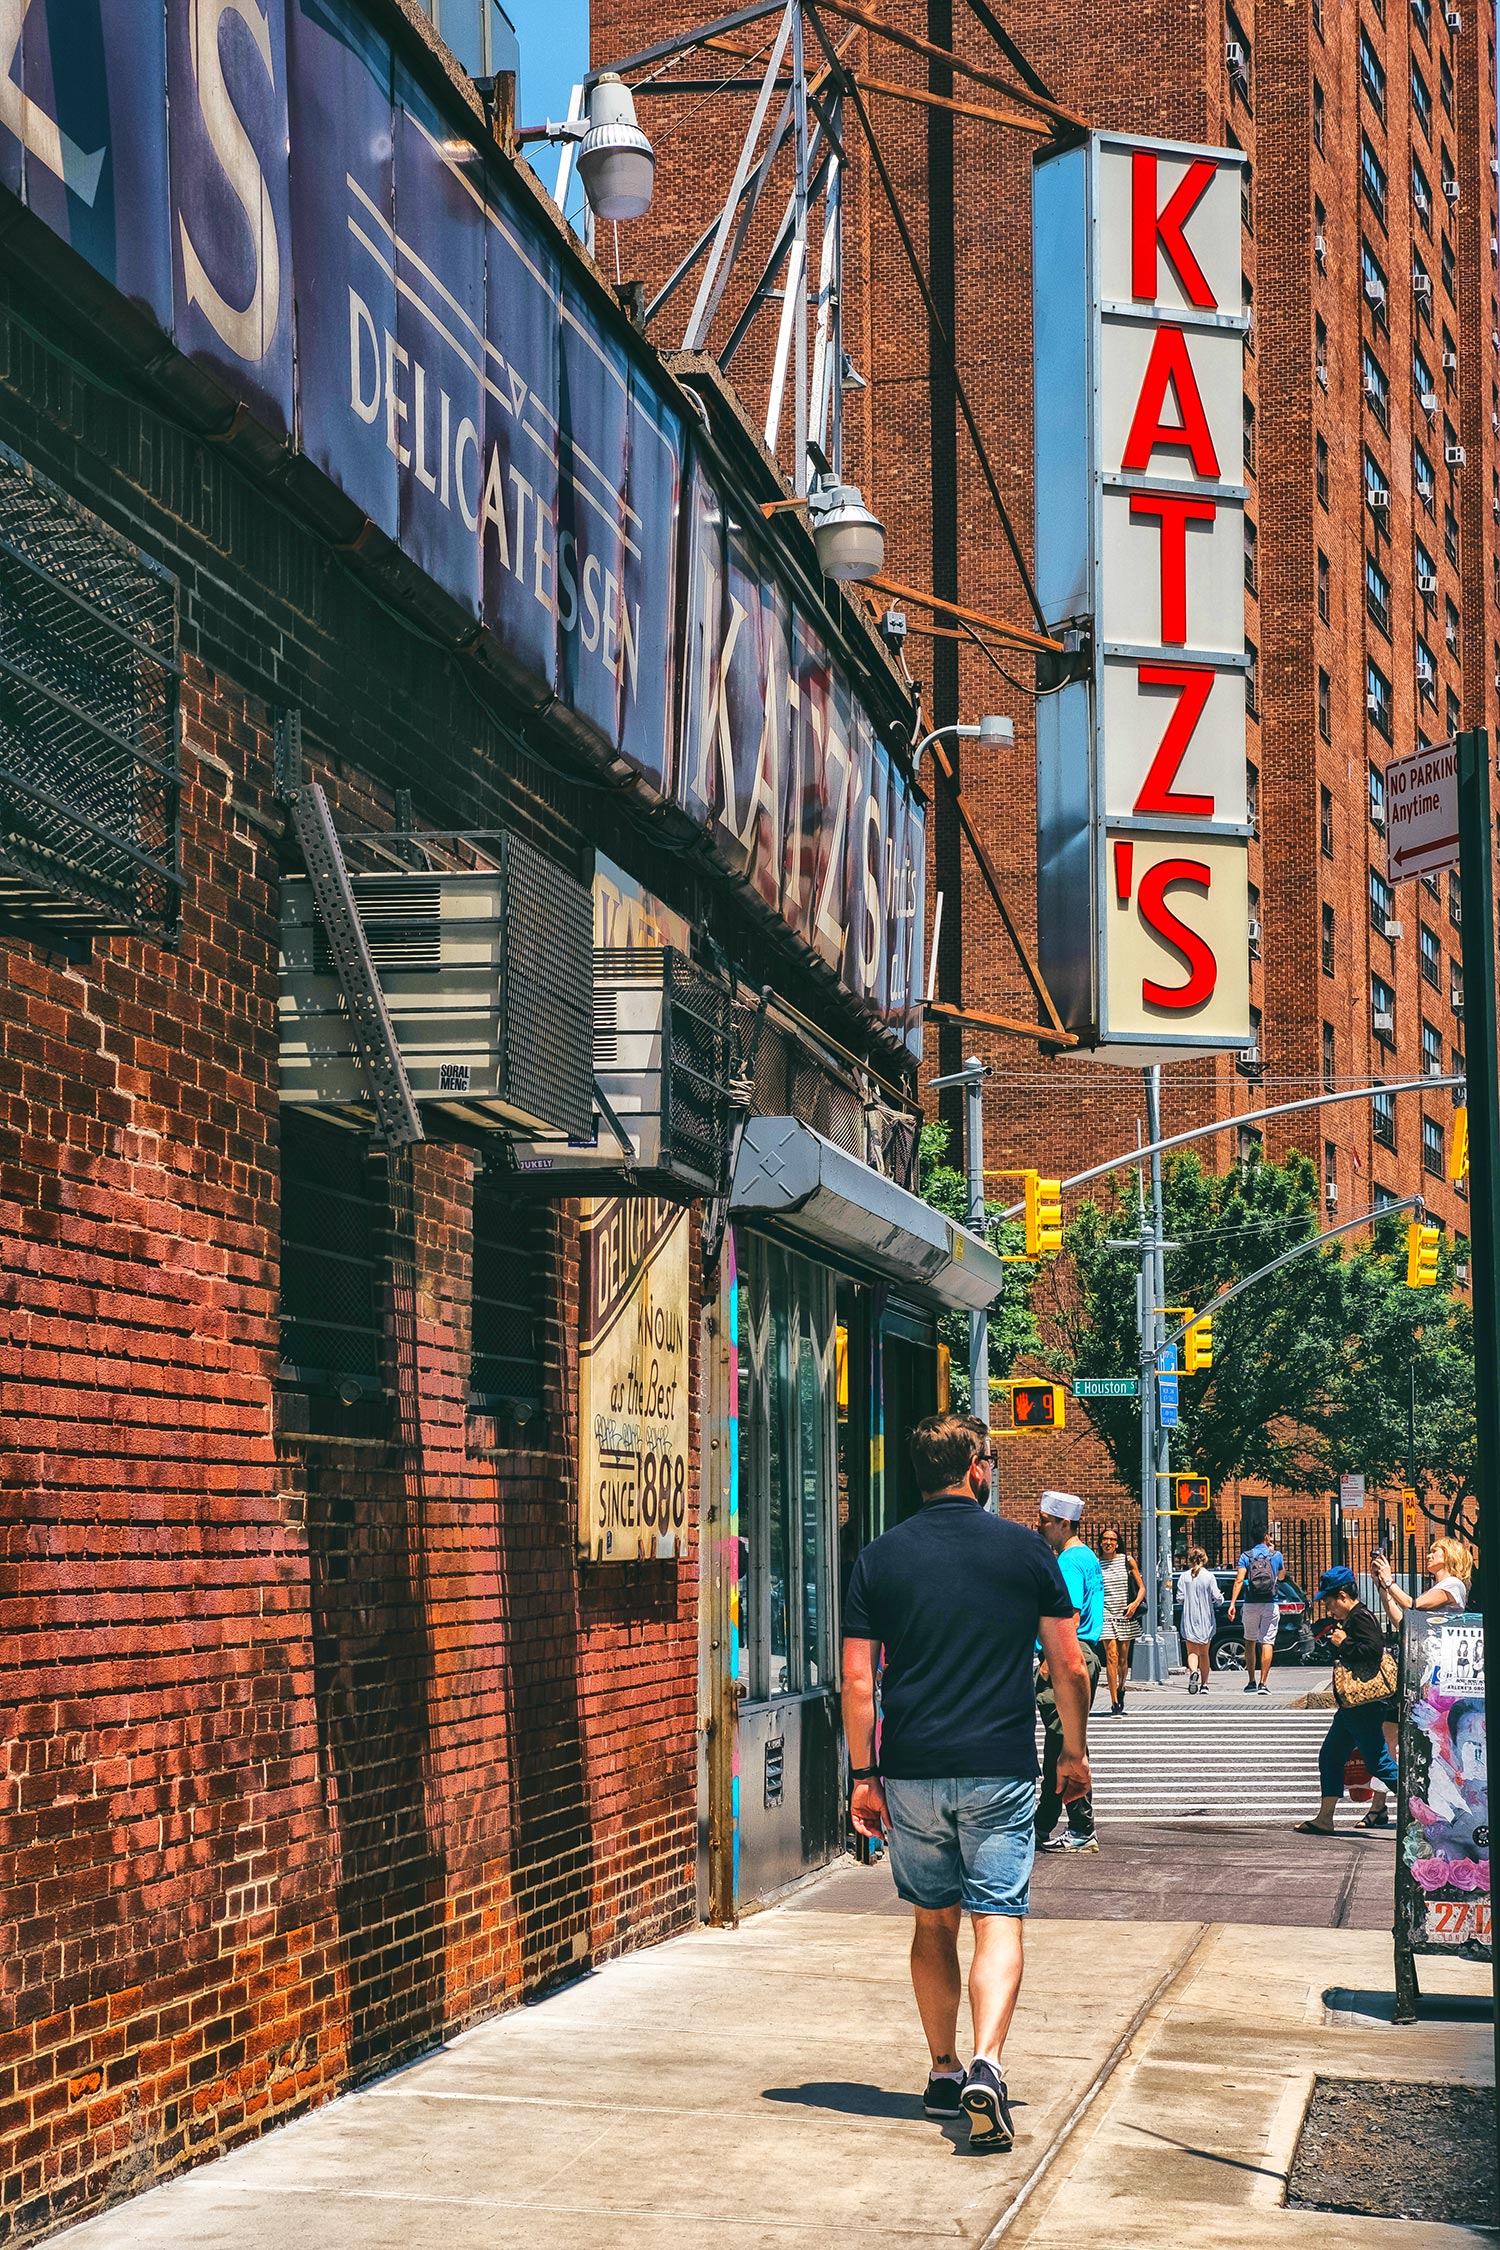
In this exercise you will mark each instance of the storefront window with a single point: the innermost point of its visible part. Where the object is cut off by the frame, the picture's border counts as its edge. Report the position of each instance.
(811, 1422)
(788, 1471)
(778, 1542)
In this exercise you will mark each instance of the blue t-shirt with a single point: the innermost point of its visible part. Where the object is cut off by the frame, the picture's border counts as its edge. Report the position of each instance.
(1084, 1580)
(953, 1596)
(1278, 1565)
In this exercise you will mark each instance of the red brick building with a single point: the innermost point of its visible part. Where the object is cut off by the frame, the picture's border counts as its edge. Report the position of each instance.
(1372, 569)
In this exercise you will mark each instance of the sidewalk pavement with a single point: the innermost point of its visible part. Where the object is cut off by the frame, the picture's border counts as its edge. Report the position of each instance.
(758, 2086)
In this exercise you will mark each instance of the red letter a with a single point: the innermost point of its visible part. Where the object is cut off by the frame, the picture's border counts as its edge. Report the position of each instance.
(1170, 363)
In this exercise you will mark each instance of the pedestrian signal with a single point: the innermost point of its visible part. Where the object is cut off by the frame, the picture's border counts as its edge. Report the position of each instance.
(1043, 1217)
(1199, 1346)
(1192, 1495)
(1458, 1160)
(1422, 1255)
(1036, 1406)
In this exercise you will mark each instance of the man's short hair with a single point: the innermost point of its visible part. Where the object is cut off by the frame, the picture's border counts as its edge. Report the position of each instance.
(942, 1448)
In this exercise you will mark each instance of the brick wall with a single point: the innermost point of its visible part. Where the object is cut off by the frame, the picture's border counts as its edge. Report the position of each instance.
(320, 1741)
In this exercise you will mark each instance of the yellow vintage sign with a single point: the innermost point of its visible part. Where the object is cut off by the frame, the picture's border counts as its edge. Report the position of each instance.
(633, 1378)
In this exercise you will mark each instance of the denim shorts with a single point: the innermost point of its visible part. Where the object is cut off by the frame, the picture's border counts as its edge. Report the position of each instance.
(966, 1842)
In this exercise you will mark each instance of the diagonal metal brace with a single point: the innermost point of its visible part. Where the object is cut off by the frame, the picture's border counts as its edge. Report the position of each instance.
(398, 1120)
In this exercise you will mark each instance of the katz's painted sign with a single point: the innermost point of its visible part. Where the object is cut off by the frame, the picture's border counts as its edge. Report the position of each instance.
(1143, 827)
(297, 210)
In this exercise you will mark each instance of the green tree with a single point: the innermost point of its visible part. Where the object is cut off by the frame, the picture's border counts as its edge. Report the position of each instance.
(1311, 1369)
(1013, 1329)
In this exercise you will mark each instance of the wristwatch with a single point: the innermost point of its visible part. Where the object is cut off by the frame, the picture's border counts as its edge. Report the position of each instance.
(864, 1773)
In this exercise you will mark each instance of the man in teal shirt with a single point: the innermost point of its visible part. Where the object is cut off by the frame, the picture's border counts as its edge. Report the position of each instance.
(1060, 1515)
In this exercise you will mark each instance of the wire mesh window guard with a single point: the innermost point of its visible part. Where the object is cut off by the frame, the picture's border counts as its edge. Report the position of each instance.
(792, 1079)
(88, 719)
(333, 1224)
(508, 1294)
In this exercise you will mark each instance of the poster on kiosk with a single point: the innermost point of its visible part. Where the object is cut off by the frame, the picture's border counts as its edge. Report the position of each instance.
(1143, 827)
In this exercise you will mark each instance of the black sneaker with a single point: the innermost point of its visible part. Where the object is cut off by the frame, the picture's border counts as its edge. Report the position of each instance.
(943, 2096)
(988, 2105)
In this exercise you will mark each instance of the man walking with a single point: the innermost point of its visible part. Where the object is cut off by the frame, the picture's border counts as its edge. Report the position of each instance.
(1061, 1514)
(1261, 1570)
(956, 1598)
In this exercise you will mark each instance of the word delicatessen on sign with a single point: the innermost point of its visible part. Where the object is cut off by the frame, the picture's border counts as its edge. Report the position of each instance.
(1142, 814)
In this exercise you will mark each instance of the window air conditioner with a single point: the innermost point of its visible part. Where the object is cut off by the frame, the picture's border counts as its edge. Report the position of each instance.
(1377, 817)
(1433, 1067)
(1429, 402)
(1248, 1058)
(1495, 167)
(1385, 1023)
(1426, 583)
(1372, 705)
(1331, 1194)
(1453, 19)
(1378, 498)
(1320, 248)
(1369, 386)
(1395, 931)
(1234, 54)
(663, 1059)
(1421, 285)
(1323, 374)
(1450, 363)
(1374, 290)
(1420, 199)
(1451, 636)
(1425, 488)
(1461, 1274)
(1455, 456)
(487, 978)
(1253, 934)
(1451, 190)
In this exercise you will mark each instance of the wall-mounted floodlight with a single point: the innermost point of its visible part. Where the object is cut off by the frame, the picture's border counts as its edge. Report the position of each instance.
(849, 539)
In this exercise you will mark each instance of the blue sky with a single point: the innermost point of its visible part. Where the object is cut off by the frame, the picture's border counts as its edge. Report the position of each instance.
(554, 36)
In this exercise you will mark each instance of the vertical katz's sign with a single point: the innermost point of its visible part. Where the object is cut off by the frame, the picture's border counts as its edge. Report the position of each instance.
(633, 1379)
(1142, 822)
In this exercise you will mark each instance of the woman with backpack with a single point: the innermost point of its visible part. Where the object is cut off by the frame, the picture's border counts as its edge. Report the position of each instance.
(1364, 1688)
(1260, 1572)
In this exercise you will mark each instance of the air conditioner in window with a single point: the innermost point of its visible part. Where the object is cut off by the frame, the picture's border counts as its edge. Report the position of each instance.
(1454, 456)
(663, 1062)
(1377, 817)
(1374, 290)
(1461, 1273)
(1234, 54)
(1451, 190)
(1331, 1194)
(1422, 200)
(1323, 374)
(1433, 1067)
(1369, 386)
(1373, 705)
(1425, 489)
(1421, 285)
(1495, 167)
(1320, 248)
(1453, 18)
(1377, 498)
(1450, 362)
(1248, 1058)
(1395, 931)
(1426, 583)
(1451, 636)
(1252, 932)
(1385, 1023)
(487, 977)
(1429, 402)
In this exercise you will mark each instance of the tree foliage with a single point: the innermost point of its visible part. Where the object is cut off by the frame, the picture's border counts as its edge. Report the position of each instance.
(1312, 1369)
(1013, 1329)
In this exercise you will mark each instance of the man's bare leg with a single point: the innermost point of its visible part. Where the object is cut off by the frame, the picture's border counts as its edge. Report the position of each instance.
(937, 1980)
(995, 1979)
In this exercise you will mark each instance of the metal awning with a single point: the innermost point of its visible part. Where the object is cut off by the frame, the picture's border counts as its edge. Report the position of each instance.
(788, 1176)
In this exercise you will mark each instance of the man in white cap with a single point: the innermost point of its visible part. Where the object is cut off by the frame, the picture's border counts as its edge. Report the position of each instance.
(1060, 1515)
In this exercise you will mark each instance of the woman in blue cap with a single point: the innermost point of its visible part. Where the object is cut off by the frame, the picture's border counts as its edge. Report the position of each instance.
(1364, 1685)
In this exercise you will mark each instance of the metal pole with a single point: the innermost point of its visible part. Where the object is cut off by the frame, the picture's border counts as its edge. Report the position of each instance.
(979, 1323)
(1413, 1587)
(1146, 1663)
(799, 134)
(1161, 1599)
(1477, 877)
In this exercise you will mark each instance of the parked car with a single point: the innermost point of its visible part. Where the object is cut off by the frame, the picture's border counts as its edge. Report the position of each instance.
(1227, 1648)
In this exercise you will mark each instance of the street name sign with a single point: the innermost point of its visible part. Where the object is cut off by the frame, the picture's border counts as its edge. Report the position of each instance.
(1106, 1386)
(1421, 812)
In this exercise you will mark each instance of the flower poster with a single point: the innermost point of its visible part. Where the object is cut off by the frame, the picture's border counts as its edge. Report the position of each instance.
(1443, 1826)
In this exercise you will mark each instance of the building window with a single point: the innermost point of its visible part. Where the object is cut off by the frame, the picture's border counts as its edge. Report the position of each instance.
(1455, 899)
(1377, 796)
(1450, 625)
(1317, 116)
(1423, 477)
(1432, 1147)
(1450, 534)
(1377, 490)
(1329, 955)
(1325, 707)
(1421, 16)
(1430, 956)
(1323, 604)
(1320, 469)
(1252, 909)
(1330, 1165)
(1426, 577)
(1383, 1117)
(1445, 84)
(1378, 699)
(1454, 716)
(1372, 74)
(1378, 595)
(332, 1233)
(1426, 672)
(1329, 1076)
(1251, 1141)
(1249, 428)
(1421, 375)
(1421, 101)
(1320, 348)
(1382, 903)
(1383, 1011)
(1372, 178)
(1372, 274)
(1252, 680)
(1432, 1052)
(1447, 265)
(1252, 794)
(509, 1292)
(1325, 822)
(1377, 391)
(1421, 195)
(1422, 295)
(1450, 369)
(477, 33)
(1250, 555)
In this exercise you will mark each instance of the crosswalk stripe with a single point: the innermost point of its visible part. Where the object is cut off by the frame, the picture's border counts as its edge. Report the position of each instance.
(1243, 1765)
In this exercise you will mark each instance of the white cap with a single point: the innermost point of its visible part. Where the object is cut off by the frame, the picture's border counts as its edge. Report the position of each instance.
(1066, 1506)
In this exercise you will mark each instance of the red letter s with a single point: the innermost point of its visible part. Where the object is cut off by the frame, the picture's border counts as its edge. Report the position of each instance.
(1196, 953)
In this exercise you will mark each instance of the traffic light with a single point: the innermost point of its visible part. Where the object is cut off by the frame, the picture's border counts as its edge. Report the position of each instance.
(1037, 1406)
(1422, 1255)
(1043, 1217)
(1458, 1160)
(1192, 1495)
(1199, 1346)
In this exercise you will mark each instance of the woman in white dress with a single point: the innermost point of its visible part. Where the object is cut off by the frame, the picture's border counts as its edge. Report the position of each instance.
(1198, 1592)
